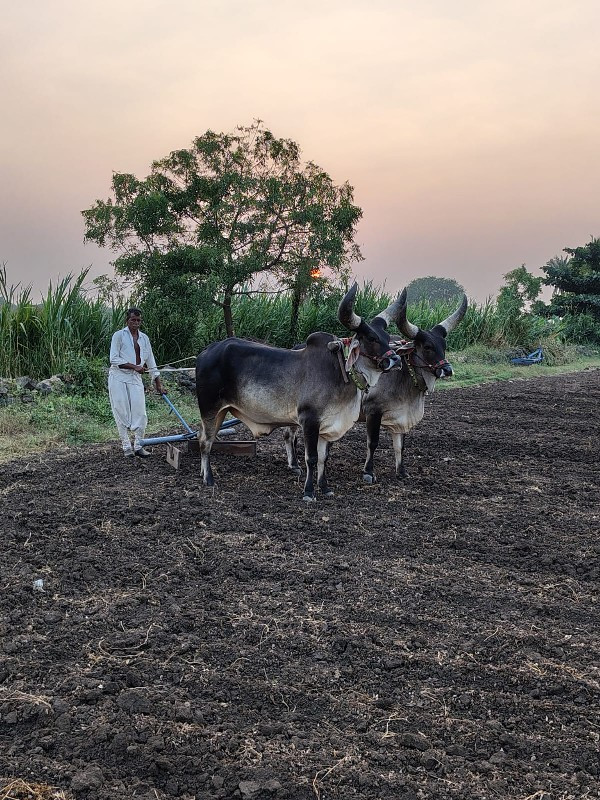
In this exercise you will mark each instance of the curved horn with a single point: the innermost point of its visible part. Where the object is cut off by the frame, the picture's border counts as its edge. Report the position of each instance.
(406, 327)
(452, 321)
(346, 313)
(392, 312)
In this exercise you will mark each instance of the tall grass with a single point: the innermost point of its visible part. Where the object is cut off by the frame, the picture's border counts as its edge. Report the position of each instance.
(69, 326)
(41, 339)
(266, 317)
(581, 328)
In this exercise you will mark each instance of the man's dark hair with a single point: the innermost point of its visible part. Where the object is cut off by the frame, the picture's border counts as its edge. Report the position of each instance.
(133, 312)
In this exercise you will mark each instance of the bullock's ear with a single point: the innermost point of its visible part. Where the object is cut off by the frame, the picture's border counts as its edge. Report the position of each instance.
(346, 313)
(439, 330)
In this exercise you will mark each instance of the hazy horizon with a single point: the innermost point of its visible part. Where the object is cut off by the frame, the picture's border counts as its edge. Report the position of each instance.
(468, 133)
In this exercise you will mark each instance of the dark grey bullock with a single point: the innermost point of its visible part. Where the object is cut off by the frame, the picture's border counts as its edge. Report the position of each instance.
(269, 387)
(398, 401)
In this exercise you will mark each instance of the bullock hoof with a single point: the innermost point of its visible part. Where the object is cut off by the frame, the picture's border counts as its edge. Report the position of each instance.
(309, 498)
(295, 470)
(370, 479)
(328, 493)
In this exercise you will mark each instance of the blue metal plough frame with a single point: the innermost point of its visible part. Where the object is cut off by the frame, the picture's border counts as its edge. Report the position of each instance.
(183, 437)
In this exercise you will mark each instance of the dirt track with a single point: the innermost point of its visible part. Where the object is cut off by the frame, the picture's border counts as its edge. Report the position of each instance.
(432, 639)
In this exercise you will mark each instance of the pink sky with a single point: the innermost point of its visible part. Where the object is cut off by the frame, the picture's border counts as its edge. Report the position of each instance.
(468, 128)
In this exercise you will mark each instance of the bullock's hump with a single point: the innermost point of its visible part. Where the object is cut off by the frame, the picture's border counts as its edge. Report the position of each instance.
(237, 356)
(319, 339)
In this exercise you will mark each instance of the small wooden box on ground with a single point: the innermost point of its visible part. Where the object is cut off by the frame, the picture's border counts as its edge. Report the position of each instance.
(235, 448)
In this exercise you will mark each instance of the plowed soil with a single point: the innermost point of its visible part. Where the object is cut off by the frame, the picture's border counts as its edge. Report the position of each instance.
(433, 638)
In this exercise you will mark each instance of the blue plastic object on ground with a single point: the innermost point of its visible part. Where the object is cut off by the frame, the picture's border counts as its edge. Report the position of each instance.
(533, 358)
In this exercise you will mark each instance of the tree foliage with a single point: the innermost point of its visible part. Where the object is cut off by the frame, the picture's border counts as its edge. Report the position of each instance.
(211, 218)
(520, 288)
(433, 290)
(576, 281)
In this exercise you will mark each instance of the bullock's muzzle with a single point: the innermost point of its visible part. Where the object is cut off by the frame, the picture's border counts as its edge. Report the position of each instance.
(387, 361)
(443, 369)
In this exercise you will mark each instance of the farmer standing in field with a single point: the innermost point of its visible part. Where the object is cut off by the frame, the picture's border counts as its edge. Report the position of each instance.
(130, 356)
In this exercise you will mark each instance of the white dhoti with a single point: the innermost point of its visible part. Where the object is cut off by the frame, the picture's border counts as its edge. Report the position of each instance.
(128, 403)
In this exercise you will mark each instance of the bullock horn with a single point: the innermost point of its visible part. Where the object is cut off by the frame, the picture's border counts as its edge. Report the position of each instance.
(346, 313)
(392, 312)
(452, 321)
(404, 326)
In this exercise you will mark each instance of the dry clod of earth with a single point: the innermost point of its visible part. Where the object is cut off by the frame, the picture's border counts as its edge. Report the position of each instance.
(429, 639)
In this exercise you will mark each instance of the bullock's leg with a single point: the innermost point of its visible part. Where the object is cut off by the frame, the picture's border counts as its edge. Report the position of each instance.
(323, 451)
(399, 440)
(290, 437)
(310, 429)
(373, 429)
(209, 428)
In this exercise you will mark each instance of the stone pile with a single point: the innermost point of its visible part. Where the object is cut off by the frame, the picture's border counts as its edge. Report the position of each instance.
(185, 380)
(24, 388)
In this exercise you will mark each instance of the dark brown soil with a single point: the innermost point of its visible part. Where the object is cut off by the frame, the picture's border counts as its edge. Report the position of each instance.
(436, 638)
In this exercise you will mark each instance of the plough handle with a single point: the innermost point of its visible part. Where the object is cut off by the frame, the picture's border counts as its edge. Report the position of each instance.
(177, 414)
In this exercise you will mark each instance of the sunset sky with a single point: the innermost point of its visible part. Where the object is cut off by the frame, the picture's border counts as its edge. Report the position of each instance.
(469, 129)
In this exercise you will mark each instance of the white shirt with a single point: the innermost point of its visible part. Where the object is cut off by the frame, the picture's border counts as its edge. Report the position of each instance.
(122, 351)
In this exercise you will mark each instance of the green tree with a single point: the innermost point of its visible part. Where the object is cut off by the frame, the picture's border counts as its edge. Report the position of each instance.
(520, 288)
(433, 290)
(208, 220)
(576, 281)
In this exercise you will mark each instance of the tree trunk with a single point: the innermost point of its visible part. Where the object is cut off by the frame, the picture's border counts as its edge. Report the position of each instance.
(296, 300)
(227, 312)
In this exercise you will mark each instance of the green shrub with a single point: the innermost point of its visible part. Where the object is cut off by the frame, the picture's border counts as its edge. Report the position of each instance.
(581, 328)
(85, 375)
